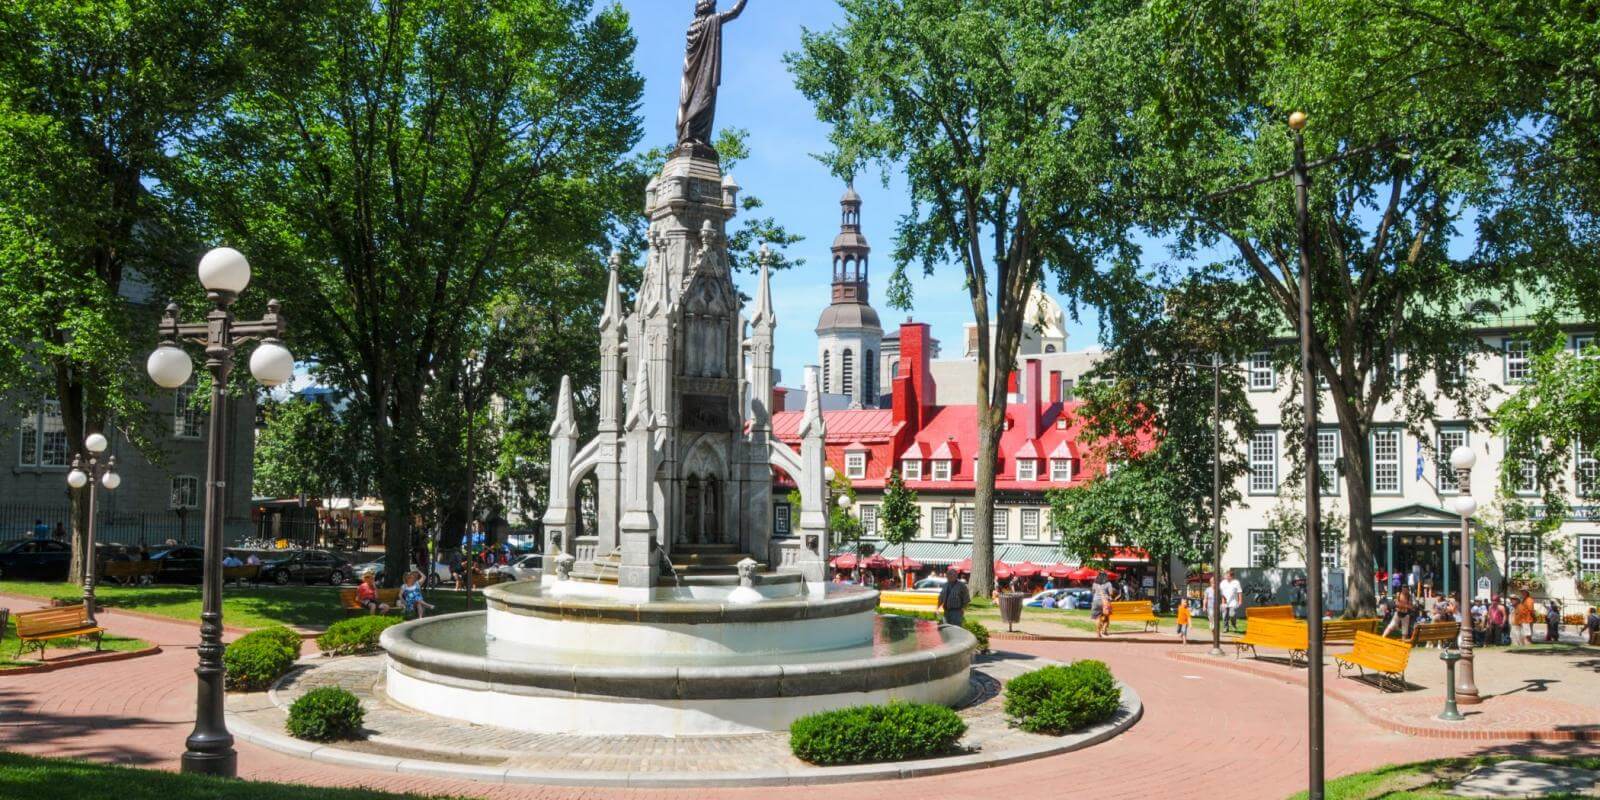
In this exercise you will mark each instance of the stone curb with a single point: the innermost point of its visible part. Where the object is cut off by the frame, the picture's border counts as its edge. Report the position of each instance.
(1132, 711)
(102, 657)
(1427, 732)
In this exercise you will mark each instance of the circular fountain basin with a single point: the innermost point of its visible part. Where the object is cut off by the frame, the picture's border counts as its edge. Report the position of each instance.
(451, 666)
(679, 621)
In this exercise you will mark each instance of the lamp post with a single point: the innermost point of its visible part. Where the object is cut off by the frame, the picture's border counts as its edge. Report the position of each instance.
(87, 473)
(1216, 497)
(1462, 459)
(224, 273)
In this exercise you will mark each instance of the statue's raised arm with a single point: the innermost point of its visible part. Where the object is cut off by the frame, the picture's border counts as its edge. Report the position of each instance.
(702, 72)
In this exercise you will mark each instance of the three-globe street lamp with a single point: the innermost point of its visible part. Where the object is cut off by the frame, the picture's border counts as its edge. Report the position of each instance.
(224, 273)
(87, 473)
(1462, 459)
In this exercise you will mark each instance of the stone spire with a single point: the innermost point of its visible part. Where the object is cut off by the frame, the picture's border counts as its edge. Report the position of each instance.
(565, 424)
(611, 317)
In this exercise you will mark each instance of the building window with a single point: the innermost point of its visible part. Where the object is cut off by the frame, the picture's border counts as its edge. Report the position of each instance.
(1027, 469)
(966, 523)
(1263, 462)
(1263, 377)
(1330, 554)
(869, 520)
(1328, 461)
(1522, 555)
(855, 465)
(847, 372)
(185, 417)
(1449, 440)
(1589, 557)
(1002, 521)
(1516, 360)
(941, 522)
(1061, 470)
(1263, 548)
(1583, 346)
(1526, 481)
(780, 519)
(1068, 394)
(869, 376)
(185, 491)
(1030, 524)
(941, 469)
(1586, 470)
(42, 438)
(827, 372)
(1386, 461)
(911, 469)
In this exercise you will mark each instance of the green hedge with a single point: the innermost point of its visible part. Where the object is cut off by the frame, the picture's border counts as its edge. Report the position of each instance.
(325, 715)
(1061, 699)
(355, 635)
(865, 734)
(973, 626)
(257, 659)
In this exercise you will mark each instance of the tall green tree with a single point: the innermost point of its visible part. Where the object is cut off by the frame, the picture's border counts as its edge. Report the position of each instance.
(406, 166)
(899, 516)
(95, 98)
(987, 109)
(307, 447)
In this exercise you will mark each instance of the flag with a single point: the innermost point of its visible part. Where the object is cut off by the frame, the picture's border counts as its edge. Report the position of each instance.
(1419, 459)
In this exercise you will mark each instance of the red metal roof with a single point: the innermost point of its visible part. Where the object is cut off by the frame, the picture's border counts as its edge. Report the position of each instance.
(844, 427)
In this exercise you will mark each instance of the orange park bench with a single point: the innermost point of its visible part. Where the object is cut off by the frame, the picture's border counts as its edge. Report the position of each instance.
(1345, 630)
(128, 573)
(1278, 634)
(1444, 634)
(1269, 612)
(1135, 611)
(1385, 657)
(37, 627)
(388, 597)
(241, 574)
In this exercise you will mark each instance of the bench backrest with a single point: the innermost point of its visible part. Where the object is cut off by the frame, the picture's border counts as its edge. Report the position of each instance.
(1435, 632)
(1269, 612)
(347, 597)
(1386, 653)
(1131, 607)
(1344, 630)
(242, 571)
(51, 620)
(1284, 630)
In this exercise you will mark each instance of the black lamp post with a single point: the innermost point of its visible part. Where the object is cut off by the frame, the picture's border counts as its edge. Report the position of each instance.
(86, 473)
(1215, 620)
(224, 273)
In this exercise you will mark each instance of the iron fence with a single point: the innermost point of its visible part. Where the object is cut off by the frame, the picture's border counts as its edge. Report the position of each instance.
(144, 528)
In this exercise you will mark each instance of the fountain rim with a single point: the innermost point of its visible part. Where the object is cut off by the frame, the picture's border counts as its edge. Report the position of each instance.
(837, 602)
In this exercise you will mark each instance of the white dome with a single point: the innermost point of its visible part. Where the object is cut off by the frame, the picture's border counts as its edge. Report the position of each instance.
(1044, 315)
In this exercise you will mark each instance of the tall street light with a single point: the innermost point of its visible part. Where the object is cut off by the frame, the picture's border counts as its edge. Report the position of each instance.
(88, 473)
(1216, 497)
(224, 273)
(1462, 459)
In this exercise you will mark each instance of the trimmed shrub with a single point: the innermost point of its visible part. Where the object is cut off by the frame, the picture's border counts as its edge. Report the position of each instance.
(866, 734)
(1061, 699)
(256, 659)
(354, 636)
(978, 632)
(325, 715)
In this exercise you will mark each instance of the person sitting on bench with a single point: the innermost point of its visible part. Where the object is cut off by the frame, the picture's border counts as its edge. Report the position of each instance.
(367, 595)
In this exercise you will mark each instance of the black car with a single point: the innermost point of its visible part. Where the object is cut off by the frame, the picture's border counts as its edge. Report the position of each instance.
(34, 559)
(307, 566)
(181, 564)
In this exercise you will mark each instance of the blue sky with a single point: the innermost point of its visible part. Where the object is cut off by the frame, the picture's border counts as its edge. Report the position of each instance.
(758, 94)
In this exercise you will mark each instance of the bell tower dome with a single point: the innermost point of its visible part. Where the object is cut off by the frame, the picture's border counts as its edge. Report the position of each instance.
(849, 335)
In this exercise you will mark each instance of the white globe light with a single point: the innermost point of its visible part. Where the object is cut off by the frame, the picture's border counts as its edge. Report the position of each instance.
(272, 364)
(844, 501)
(111, 480)
(1463, 458)
(830, 474)
(96, 443)
(77, 479)
(224, 270)
(1465, 506)
(169, 367)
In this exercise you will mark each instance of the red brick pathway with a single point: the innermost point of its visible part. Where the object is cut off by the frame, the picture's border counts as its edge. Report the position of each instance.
(1205, 733)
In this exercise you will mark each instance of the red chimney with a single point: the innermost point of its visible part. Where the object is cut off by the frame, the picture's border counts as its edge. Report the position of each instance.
(1032, 412)
(778, 395)
(913, 386)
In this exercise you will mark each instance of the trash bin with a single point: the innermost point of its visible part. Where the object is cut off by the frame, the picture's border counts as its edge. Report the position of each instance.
(1011, 608)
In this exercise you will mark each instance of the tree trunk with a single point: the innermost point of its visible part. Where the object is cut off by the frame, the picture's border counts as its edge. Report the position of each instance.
(983, 497)
(70, 394)
(1362, 596)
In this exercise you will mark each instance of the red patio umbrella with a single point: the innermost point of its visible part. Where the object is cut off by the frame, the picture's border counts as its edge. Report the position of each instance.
(906, 563)
(1059, 570)
(845, 561)
(1084, 574)
(876, 561)
(964, 565)
(1027, 569)
(1002, 570)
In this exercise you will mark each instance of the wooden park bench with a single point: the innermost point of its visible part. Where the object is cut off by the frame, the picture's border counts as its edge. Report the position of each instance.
(1345, 630)
(1444, 634)
(1269, 612)
(388, 597)
(130, 572)
(242, 574)
(913, 599)
(38, 627)
(1385, 657)
(1278, 634)
(1135, 611)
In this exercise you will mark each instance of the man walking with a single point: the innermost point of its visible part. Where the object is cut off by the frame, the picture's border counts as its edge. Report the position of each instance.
(1232, 597)
(953, 598)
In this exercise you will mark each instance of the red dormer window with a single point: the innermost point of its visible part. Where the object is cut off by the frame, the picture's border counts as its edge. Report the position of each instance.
(1027, 469)
(911, 469)
(1061, 470)
(855, 465)
(941, 469)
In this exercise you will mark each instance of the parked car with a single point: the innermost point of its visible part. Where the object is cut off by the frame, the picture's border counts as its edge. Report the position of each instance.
(441, 573)
(181, 564)
(307, 566)
(526, 568)
(1080, 598)
(1037, 601)
(34, 559)
(929, 585)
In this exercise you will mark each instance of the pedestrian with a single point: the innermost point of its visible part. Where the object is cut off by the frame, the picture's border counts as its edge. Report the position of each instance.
(1522, 621)
(411, 597)
(1497, 621)
(954, 597)
(1100, 604)
(59, 532)
(1592, 626)
(1552, 621)
(1183, 622)
(1404, 610)
(40, 530)
(367, 594)
(1232, 600)
(1208, 603)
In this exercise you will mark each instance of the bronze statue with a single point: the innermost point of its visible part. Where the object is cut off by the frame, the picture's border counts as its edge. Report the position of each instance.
(702, 72)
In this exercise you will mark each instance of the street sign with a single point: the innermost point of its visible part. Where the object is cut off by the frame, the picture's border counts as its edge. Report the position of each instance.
(1483, 588)
(1333, 597)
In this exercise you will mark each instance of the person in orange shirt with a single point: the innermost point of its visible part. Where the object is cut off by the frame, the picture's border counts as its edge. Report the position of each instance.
(1183, 620)
(1522, 620)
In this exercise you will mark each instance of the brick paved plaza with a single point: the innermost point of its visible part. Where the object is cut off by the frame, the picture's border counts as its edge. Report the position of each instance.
(1208, 730)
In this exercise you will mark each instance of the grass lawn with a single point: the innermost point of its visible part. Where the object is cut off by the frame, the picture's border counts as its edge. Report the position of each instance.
(8, 646)
(28, 778)
(1428, 780)
(245, 607)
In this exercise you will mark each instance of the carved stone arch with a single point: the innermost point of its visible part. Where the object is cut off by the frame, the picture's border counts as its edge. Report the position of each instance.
(582, 464)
